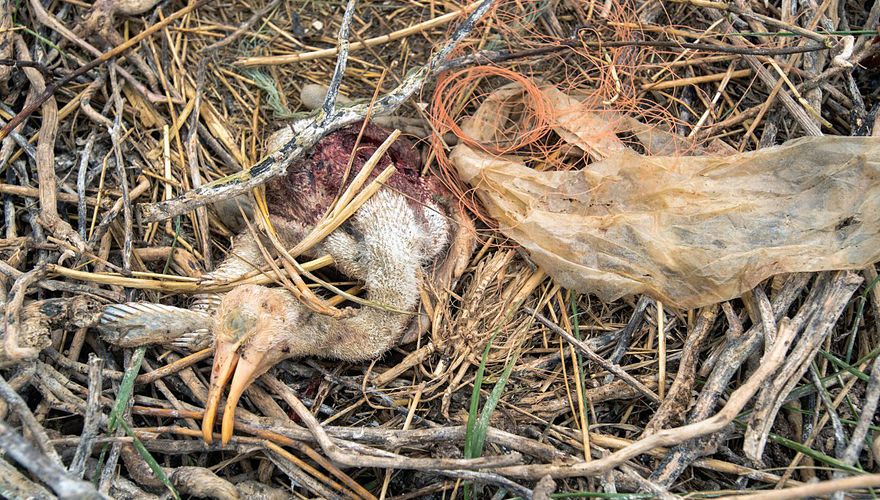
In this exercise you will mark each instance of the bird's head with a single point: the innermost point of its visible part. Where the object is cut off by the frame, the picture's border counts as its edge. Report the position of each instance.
(252, 332)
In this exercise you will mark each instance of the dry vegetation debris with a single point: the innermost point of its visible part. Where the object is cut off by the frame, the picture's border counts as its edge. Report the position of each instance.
(120, 118)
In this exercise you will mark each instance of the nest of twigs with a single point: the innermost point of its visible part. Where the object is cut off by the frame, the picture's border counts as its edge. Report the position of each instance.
(121, 104)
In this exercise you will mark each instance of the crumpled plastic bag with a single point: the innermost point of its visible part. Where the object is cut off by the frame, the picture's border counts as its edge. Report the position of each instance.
(687, 230)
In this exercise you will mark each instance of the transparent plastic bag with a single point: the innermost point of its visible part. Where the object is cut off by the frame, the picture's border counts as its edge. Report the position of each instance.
(687, 230)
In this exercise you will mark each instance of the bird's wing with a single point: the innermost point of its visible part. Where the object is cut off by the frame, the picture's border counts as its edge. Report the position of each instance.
(137, 323)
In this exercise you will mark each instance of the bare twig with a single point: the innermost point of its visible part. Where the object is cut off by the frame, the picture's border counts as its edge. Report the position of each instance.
(311, 132)
(675, 404)
(48, 217)
(51, 473)
(584, 348)
(50, 89)
(17, 404)
(844, 287)
(93, 412)
(868, 412)
(813, 490)
(12, 316)
(341, 60)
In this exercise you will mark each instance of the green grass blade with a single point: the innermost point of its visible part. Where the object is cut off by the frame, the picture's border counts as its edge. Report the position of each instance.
(482, 427)
(126, 387)
(469, 436)
(815, 455)
(844, 365)
(475, 401)
(148, 458)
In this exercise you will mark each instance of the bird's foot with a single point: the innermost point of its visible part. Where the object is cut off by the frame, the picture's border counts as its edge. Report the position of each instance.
(135, 324)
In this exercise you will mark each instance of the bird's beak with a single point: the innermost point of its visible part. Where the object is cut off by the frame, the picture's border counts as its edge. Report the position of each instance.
(243, 367)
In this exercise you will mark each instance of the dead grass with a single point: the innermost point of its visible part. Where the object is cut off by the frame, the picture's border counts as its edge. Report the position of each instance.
(197, 99)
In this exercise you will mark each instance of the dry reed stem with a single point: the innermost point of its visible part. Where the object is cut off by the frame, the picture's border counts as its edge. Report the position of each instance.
(412, 403)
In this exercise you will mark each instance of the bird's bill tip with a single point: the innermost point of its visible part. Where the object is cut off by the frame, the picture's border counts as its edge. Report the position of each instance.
(225, 361)
(242, 368)
(249, 368)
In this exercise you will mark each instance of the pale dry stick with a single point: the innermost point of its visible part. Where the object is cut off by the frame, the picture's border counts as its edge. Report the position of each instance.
(313, 131)
(173, 367)
(51, 473)
(869, 408)
(104, 225)
(371, 42)
(342, 47)
(121, 173)
(6, 34)
(614, 442)
(738, 347)
(379, 458)
(170, 396)
(392, 438)
(277, 386)
(63, 286)
(694, 80)
(678, 61)
(581, 413)
(412, 359)
(870, 273)
(487, 477)
(723, 6)
(142, 379)
(12, 316)
(626, 333)
(721, 87)
(17, 382)
(846, 381)
(166, 163)
(243, 27)
(584, 348)
(676, 401)
(810, 109)
(14, 484)
(92, 418)
(85, 102)
(308, 475)
(20, 407)
(796, 111)
(645, 484)
(45, 159)
(771, 398)
(50, 21)
(413, 405)
(763, 108)
(192, 156)
(176, 286)
(661, 352)
(836, 425)
(812, 490)
(770, 362)
(81, 210)
(768, 320)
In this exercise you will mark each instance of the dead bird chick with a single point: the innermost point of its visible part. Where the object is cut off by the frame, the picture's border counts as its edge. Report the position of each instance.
(387, 244)
(409, 229)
